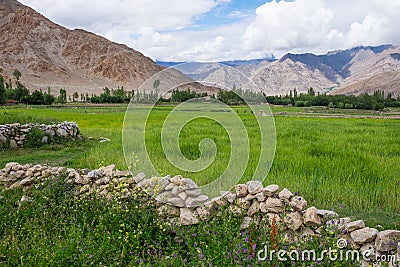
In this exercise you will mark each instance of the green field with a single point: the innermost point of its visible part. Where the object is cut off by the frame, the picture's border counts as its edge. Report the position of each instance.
(348, 164)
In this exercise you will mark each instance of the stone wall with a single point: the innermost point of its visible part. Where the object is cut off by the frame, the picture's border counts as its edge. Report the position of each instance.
(16, 135)
(180, 199)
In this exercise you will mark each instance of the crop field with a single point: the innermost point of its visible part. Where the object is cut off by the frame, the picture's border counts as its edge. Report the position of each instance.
(347, 164)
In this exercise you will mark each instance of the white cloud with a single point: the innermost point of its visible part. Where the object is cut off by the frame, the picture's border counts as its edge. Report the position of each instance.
(166, 29)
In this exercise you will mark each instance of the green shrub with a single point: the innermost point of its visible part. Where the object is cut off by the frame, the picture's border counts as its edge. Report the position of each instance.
(34, 138)
(299, 104)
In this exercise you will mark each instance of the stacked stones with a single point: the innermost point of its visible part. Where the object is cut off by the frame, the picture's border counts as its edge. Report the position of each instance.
(181, 200)
(15, 135)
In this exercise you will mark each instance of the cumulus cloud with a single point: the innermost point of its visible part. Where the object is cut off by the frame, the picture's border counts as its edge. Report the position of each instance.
(321, 25)
(166, 29)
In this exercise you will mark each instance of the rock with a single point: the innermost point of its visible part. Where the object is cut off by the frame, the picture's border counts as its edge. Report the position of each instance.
(229, 196)
(241, 190)
(242, 203)
(183, 195)
(13, 143)
(274, 217)
(298, 203)
(204, 213)
(254, 208)
(193, 192)
(3, 139)
(338, 224)
(109, 170)
(94, 174)
(271, 190)
(188, 217)
(27, 181)
(285, 195)
(354, 226)
(273, 205)
(17, 167)
(176, 180)
(61, 132)
(307, 231)
(176, 201)
(311, 218)
(246, 223)
(368, 251)
(249, 198)
(254, 187)
(45, 139)
(169, 187)
(168, 210)
(15, 185)
(364, 235)
(327, 214)
(46, 173)
(139, 177)
(196, 201)
(261, 197)
(387, 240)
(9, 166)
(187, 184)
(103, 181)
(20, 174)
(293, 220)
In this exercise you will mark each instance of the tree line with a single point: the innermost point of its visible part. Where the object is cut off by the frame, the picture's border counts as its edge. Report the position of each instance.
(376, 101)
(237, 96)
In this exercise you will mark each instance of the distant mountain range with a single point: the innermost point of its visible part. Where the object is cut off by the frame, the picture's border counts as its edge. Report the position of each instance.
(48, 54)
(353, 71)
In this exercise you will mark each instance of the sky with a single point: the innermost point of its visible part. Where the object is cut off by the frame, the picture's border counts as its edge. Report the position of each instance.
(219, 30)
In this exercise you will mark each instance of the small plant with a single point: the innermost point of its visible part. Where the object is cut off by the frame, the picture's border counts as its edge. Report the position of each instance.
(35, 138)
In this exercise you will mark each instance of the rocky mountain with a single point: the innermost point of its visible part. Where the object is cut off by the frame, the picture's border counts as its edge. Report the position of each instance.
(352, 71)
(50, 55)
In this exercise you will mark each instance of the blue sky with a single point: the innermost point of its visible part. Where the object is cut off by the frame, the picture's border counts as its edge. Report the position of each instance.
(218, 30)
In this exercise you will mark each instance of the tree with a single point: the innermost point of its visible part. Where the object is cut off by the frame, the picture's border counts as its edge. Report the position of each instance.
(17, 74)
(2, 89)
(62, 98)
(75, 96)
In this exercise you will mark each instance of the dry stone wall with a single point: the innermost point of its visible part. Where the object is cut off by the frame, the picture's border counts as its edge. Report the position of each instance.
(16, 135)
(180, 199)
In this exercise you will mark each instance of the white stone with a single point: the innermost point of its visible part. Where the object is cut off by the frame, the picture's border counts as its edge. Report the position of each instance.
(354, 226)
(196, 201)
(241, 190)
(271, 190)
(293, 220)
(311, 218)
(387, 240)
(285, 195)
(254, 187)
(188, 217)
(364, 235)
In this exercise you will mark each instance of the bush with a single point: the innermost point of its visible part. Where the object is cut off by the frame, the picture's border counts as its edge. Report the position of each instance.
(34, 138)
(299, 104)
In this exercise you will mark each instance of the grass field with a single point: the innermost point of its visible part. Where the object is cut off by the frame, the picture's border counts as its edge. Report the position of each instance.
(346, 164)
(350, 165)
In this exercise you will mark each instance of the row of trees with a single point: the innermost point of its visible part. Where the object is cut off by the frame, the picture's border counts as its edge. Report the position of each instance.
(21, 94)
(376, 101)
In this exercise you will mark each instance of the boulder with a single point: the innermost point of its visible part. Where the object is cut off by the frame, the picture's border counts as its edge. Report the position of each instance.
(271, 190)
(351, 227)
(254, 187)
(364, 235)
(241, 190)
(311, 217)
(285, 195)
(273, 205)
(188, 217)
(388, 240)
(293, 220)
(298, 203)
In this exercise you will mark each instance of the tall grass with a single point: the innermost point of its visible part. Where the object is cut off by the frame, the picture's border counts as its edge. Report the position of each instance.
(350, 165)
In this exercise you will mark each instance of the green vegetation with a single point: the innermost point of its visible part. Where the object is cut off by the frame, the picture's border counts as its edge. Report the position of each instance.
(53, 227)
(347, 164)
(377, 101)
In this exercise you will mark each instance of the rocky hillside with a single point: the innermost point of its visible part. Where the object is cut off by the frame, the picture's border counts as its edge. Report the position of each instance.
(352, 71)
(50, 55)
